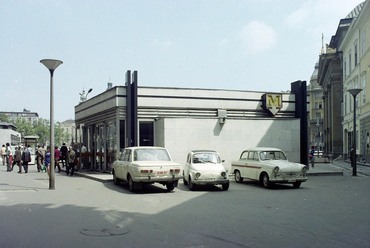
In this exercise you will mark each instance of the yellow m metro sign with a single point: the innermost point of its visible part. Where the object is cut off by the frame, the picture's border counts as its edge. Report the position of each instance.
(272, 102)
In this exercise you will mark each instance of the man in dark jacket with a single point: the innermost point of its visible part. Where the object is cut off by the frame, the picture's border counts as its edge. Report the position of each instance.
(17, 159)
(64, 154)
(26, 158)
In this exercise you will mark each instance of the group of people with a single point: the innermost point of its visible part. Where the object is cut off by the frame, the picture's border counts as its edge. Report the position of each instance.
(65, 157)
(20, 158)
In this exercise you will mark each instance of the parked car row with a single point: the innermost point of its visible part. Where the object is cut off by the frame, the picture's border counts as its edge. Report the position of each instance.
(147, 165)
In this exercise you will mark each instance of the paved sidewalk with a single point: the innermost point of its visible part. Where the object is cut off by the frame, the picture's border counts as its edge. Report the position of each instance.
(362, 168)
(325, 169)
(95, 175)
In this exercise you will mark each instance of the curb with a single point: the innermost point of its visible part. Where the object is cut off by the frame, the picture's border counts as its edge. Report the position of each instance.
(332, 173)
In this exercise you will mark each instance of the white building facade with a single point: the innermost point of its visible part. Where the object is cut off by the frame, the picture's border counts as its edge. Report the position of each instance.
(183, 119)
(355, 49)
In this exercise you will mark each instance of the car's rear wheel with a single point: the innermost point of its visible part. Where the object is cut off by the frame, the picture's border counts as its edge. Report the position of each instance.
(225, 186)
(266, 181)
(116, 181)
(170, 186)
(131, 184)
(297, 184)
(238, 177)
(191, 184)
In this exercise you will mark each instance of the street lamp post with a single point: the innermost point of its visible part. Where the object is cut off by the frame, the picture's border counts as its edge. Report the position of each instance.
(51, 64)
(354, 93)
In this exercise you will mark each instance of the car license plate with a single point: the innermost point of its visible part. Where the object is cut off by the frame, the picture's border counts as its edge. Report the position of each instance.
(161, 172)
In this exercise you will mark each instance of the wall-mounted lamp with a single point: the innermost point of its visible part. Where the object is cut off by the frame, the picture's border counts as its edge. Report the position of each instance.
(222, 115)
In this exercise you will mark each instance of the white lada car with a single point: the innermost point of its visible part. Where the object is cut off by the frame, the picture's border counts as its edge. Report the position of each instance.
(268, 165)
(146, 165)
(204, 167)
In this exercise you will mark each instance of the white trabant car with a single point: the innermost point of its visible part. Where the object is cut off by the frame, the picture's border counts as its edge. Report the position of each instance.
(146, 165)
(204, 167)
(268, 165)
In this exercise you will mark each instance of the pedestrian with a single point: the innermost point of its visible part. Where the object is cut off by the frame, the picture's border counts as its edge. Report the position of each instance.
(71, 161)
(83, 155)
(64, 154)
(56, 158)
(26, 158)
(312, 156)
(47, 161)
(3, 154)
(17, 159)
(9, 157)
(40, 156)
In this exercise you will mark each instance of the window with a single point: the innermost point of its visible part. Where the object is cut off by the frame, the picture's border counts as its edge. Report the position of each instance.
(363, 93)
(252, 156)
(345, 69)
(244, 156)
(356, 57)
(350, 61)
(363, 43)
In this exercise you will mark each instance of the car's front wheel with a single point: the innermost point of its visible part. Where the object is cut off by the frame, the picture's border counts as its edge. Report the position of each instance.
(184, 180)
(191, 184)
(116, 181)
(238, 177)
(297, 184)
(225, 186)
(266, 181)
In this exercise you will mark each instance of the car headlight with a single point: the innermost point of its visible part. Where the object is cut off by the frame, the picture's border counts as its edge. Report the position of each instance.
(197, 175)
(276, 169)
(223, 174)
(304, 169)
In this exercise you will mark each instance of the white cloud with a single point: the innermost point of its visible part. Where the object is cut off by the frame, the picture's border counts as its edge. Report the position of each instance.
(164, 44)
(300, 16)
(257, 37)
(319, 12)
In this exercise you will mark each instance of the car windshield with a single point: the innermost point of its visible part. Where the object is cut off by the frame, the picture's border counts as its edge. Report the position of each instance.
(151, 155)
(272, 155)
(206, 158)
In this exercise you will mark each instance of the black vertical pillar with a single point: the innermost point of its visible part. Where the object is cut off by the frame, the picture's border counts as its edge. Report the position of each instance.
(134, 108)
(299, 88)
(131, 108)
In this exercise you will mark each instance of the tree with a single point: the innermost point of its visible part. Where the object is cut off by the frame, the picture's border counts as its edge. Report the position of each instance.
(40, 128)
(59, 134)
(4, 118)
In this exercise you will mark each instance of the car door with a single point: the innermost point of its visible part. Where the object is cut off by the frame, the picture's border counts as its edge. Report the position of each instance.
(242, 164)
(118, 165)
(251, 165)
(126, 160)
(254, 165)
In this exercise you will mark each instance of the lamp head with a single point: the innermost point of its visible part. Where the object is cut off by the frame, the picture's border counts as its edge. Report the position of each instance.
(51, 64)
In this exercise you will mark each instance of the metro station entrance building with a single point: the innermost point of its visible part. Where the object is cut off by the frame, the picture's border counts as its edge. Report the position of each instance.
(184, 119)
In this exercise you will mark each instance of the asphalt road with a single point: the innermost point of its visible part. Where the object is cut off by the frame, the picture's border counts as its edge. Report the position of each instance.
(327, 211)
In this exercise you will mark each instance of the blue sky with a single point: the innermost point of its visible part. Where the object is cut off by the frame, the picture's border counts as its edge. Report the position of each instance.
(256, 45)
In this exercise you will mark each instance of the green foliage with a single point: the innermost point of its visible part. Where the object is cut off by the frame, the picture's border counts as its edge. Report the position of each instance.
(41, 129)
(59, 134)
(4, 118)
